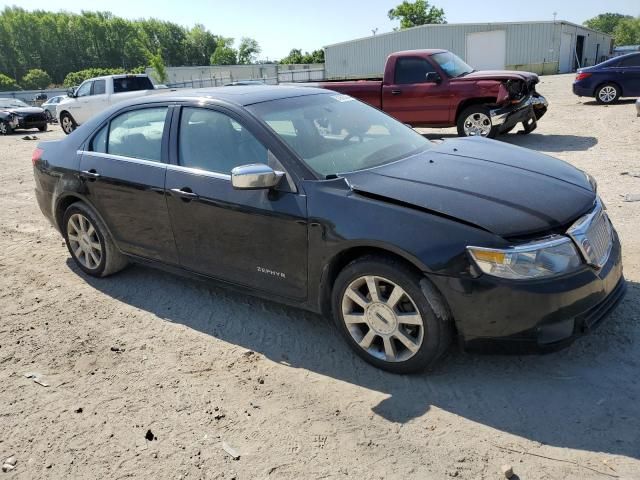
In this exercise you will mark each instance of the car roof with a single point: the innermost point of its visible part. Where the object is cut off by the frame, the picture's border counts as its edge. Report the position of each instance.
(239, 95)
(424, 52)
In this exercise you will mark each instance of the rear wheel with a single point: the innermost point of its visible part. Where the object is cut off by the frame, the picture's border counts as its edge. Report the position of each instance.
(67, 123)
(47, 114)
(89, 243)
(608, 93)
(5, 128)
(475, 121)
(387, 318)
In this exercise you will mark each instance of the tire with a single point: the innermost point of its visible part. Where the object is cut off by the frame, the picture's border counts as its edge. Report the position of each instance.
(5, 128)
(476, 118)
(43, 128)
(47, 114)
(67, 123)
(607, 94)
(375, 330)
(106, 258)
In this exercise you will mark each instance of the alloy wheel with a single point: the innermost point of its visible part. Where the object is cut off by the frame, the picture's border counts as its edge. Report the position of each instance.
(84, 241)
(3, 128)
(477, 124)
(608, 94)
(67, 124)
(382, 318)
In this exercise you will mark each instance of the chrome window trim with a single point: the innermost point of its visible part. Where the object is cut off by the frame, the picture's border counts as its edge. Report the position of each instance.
(151, 163)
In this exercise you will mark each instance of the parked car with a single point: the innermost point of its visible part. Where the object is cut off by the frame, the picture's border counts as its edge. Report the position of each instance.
(403, 241)
(609, 81)
(51, 105)
(435, 88)
(97, 94)
(15, 114)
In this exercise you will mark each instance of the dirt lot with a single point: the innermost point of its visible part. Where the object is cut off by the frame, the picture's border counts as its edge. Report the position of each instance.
(199, 366)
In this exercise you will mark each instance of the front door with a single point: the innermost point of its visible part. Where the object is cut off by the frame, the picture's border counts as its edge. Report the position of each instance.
(415, 97)
(124, 175)
(630, 76)
(254, 238)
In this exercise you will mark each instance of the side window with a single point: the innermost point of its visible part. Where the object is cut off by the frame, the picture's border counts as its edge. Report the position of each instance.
(633, 61)
(212, 141)
(99, 142)
(138, 134)
(84, 89)
(412, 70)
(98, 87)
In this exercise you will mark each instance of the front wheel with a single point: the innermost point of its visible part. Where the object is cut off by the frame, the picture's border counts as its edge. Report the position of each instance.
(475, 121)
(43, 128)
(386, 315)
(67, 123)
(48, 115)
(607, 94)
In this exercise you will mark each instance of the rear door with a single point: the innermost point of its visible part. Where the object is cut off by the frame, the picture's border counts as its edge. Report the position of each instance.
(254, 238)
(124, 171)
(415, 98)
(630, 76)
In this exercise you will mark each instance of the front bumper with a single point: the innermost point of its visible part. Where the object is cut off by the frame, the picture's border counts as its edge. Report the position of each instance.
(32, 121)
(533, 316)
(526, 112)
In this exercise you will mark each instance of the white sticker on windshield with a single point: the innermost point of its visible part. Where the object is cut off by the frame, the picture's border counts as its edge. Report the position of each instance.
(343, 98)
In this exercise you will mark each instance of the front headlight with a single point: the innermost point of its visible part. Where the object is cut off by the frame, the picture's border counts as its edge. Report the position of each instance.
(544, 258)
(592, 182)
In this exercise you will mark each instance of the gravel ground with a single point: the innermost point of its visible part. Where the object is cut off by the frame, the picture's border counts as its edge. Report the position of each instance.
(150, 373)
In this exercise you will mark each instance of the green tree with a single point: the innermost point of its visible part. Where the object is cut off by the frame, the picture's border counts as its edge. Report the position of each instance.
(74, 79)
(36, 79)
(159, 68)
(224, 54)
(420, 12)
(297, 57)
(606, 22)
(7, 83)
(627, 32)
(247, 50)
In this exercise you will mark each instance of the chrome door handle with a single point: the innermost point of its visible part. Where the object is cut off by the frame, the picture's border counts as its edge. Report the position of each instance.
(186, 194)
(92, 174)
(396, 92)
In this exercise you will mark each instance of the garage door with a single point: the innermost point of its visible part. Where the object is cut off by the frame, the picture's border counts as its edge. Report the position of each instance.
(566, 53)
(487, 50)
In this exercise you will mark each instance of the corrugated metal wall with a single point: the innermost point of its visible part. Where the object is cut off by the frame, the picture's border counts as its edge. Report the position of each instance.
(532, 46)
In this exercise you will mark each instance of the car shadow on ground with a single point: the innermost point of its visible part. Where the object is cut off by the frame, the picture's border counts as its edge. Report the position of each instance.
(534, 141)
(584, 397)
(624, 101)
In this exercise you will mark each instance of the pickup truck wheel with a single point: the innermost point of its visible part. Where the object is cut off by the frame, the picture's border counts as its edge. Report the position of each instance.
(608, 93)
(475, 121)
(387, 318)
(67, 123)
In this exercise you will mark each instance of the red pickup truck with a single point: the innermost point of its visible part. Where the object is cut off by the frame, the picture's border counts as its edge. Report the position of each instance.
(435, 88)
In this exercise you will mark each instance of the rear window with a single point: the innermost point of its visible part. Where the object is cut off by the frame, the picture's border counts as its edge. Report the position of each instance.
(131, 84)
(632, 61)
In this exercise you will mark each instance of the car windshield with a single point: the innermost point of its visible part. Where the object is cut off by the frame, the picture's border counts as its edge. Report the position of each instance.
(12, 103)
(336, 134)
(452, 65)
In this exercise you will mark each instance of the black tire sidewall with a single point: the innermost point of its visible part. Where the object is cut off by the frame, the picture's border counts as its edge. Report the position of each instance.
(8, 127)
(434, 328)
(470, 111)
(97, 225)
(73, 123)
(613, 85)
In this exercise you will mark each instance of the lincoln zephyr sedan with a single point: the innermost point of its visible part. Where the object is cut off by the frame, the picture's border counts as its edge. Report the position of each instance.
(314, 199)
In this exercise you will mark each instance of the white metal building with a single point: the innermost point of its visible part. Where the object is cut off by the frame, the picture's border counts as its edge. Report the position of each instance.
(541, 47)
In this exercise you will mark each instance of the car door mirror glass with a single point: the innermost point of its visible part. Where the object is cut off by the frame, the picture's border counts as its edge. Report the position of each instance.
(255, 177)
(433, 77)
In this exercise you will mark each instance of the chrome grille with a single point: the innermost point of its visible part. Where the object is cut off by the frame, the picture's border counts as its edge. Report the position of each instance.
(593, 235)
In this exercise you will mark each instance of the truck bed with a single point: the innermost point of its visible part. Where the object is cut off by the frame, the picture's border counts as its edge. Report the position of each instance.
(369, 91)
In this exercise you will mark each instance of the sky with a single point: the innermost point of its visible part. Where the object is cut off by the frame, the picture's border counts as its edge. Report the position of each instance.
(281, 25)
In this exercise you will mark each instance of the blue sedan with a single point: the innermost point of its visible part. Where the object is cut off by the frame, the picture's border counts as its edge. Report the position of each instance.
(610, 80)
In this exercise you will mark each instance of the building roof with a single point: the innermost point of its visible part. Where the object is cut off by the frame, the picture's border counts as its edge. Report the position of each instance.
(444, 25)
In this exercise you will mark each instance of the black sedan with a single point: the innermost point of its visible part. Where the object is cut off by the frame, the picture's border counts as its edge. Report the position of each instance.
(314, 199)
(15, 114)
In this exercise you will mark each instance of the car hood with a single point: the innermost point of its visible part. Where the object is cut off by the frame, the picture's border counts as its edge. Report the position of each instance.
(500, 75)
(506, 190)
(25, 110)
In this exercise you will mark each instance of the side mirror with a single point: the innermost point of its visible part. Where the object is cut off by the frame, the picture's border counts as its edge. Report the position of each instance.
(433, 77)
(71, 92)
(255, 177)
